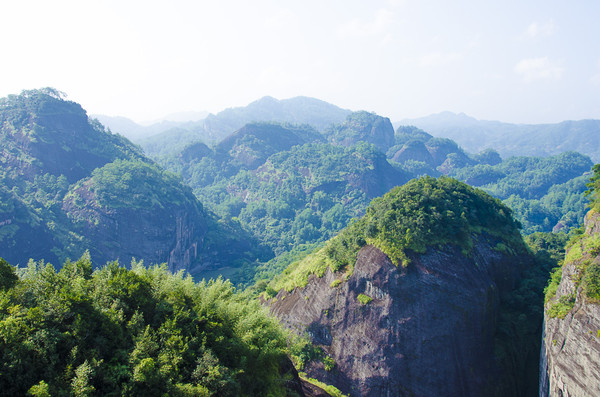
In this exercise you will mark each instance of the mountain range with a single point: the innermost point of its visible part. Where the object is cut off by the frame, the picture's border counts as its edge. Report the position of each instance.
(338, 224)
(214, 127)
(513, 139)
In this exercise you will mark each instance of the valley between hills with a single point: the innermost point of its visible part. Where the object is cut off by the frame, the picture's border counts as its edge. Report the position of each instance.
(291, 247)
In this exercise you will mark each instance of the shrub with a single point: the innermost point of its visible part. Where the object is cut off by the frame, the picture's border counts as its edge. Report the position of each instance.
(591, 282)
(329, 363)
(364, 299)
(561, 308)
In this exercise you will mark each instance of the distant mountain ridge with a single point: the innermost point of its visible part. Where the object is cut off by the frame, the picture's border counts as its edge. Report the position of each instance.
(473, 135)
(215, 127)
(513, 139)
(299, 110)
(136, 131)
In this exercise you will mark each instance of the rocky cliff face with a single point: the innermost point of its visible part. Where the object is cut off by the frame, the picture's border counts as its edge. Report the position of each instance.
(169, 231)
(570, 357)
(424, 330)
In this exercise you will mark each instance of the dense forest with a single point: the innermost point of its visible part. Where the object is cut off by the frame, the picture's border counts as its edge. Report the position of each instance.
(137, 331)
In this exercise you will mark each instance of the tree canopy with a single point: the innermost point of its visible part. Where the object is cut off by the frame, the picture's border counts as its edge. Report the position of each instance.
(143, 331)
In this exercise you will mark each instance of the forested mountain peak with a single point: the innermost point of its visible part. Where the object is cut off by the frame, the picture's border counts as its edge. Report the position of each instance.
(42, 133)
(252, 144)
(425, 212)
(303, 110)
(363, 126)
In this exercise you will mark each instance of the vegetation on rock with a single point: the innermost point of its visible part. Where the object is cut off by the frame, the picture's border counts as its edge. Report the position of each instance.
(426, 212)
(422, 213)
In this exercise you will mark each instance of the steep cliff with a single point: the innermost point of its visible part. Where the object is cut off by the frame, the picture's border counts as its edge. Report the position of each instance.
(147, 214)
(418, 320)
(570, 357)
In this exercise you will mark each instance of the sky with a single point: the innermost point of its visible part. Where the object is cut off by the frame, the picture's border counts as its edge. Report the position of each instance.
(514, 61)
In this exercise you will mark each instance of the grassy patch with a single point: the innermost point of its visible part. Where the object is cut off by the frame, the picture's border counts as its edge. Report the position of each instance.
(296, 275)
(332, 390)
(335, 283)
(364, 299)
(575, 253)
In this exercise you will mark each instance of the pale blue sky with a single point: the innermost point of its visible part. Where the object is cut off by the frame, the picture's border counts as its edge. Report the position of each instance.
(515, 61)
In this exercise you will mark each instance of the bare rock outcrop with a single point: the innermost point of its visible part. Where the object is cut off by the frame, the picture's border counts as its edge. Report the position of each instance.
(423, 330)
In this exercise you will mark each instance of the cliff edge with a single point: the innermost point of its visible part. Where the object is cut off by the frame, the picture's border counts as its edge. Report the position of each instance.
(570, 357)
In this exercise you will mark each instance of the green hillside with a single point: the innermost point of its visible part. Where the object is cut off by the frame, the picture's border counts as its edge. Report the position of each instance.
(68, 185)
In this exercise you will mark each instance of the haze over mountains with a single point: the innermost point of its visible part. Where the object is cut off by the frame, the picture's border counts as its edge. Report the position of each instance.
(213, 128)
(513, 139)
(471, 134)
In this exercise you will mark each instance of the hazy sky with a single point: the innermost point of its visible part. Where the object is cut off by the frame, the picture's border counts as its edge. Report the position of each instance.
(516, 61)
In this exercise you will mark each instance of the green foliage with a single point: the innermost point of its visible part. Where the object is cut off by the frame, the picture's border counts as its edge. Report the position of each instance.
(302, 351)
(549, 250)
(267, 271)
(543, 192)
(426, 212)
(562, 307)
(134, 332)
(39, 390)
(8, 277)
(335, 283)
(548, 246)
(364, 299)
(593, 188)
(328, 363)
(591, 282)
(137, 184)
(552, 287)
